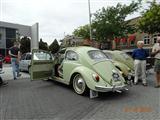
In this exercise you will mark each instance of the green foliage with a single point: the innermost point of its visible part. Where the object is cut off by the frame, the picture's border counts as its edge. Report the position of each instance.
(25, 45)
(150, 21)
(110, 22)
(54, 47)
(82, 31)
(43, 45)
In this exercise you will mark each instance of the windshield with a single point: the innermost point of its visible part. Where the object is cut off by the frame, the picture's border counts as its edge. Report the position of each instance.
(97, 55)
(109, 56)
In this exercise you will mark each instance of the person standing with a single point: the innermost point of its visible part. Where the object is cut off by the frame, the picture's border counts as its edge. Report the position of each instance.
(156, 54)
(14, 52)
(139, 55)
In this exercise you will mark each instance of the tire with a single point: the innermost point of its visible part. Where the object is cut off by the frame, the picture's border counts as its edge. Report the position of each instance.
(79, 85)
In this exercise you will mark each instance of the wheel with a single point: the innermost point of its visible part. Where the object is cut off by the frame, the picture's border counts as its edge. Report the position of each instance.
(79, 84)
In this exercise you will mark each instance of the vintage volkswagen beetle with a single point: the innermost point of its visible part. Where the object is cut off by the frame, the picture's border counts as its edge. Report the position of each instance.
(82, 67)
(122, 61)
(122, 57)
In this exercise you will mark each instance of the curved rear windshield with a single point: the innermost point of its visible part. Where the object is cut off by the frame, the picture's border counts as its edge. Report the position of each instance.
(108, 55)
(97, 55)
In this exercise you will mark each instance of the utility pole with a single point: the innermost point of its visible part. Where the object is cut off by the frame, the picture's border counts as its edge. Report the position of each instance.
(90, 28)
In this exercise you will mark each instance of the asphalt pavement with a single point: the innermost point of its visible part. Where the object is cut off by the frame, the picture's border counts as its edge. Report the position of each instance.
(23, 99)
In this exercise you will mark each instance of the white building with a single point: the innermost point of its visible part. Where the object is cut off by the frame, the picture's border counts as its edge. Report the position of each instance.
(10, 32)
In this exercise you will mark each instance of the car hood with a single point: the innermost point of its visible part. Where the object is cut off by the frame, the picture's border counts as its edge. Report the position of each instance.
(123, 67)
(104, 69)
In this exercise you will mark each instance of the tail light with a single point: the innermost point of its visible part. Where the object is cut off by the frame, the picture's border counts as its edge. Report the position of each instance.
(96, 77)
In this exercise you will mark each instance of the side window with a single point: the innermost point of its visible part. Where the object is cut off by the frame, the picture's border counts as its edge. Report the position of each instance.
(71, 55)
(40, 55)
(28, 57)
(23, 57)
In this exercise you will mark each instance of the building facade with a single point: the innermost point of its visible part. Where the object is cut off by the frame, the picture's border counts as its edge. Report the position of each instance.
(9, 32)
(129, 43)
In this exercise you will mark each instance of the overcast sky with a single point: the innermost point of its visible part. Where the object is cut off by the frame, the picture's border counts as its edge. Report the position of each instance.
(56, 18)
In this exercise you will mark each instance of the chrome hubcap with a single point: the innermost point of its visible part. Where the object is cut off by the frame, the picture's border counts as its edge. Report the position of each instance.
(79, 84)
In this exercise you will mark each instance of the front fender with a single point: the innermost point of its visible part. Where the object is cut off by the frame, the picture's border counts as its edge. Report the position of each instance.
(87, 75)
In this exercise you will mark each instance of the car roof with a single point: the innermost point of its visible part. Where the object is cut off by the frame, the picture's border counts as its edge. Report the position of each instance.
(114, 51)
(81, 48)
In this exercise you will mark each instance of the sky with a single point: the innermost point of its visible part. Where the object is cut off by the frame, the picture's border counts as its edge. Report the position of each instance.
(56, 18)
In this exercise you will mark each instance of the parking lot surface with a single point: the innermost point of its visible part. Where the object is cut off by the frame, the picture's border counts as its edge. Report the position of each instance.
(23, 99)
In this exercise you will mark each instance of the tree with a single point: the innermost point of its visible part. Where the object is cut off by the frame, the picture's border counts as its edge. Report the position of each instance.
(43, 45)
(25, 45)
(111, 22)
(54, 47)
(82, 31)
(150, 20)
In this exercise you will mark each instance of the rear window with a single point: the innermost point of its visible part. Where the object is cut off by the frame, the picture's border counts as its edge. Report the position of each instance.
(109, 56)
(97, 55)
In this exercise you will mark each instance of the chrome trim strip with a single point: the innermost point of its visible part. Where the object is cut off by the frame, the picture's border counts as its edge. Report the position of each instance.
(107, 89)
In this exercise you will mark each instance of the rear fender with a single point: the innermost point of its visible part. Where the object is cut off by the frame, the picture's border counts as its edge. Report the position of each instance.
(87, 75)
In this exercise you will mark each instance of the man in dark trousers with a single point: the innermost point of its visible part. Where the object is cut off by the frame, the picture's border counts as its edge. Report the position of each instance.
(14, 52)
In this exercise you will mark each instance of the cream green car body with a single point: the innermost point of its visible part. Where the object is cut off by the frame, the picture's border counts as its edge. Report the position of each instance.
(82, 67)
(122, 61)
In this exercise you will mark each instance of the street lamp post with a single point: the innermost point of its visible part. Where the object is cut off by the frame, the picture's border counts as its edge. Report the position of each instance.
(90, 28)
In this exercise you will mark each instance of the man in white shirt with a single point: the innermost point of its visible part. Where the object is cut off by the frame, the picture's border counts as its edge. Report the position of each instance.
(156, 53)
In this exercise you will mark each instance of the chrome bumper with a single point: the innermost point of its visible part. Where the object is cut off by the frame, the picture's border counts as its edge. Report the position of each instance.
(113, 88)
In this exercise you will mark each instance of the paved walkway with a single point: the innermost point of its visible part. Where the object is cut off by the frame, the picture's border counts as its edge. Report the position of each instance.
(48, 100)
(8, 75)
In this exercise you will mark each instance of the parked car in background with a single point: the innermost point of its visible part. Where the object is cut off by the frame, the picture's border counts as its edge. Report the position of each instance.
(25, 62)
(85, 68)
(7, 59)
(122, 61)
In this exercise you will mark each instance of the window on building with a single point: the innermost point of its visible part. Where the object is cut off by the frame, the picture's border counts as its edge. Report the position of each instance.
(146, 40)
(10, 37)
(155, 38)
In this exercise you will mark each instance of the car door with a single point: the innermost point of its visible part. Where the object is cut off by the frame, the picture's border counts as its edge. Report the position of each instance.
(69, 63)
(42, 65)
